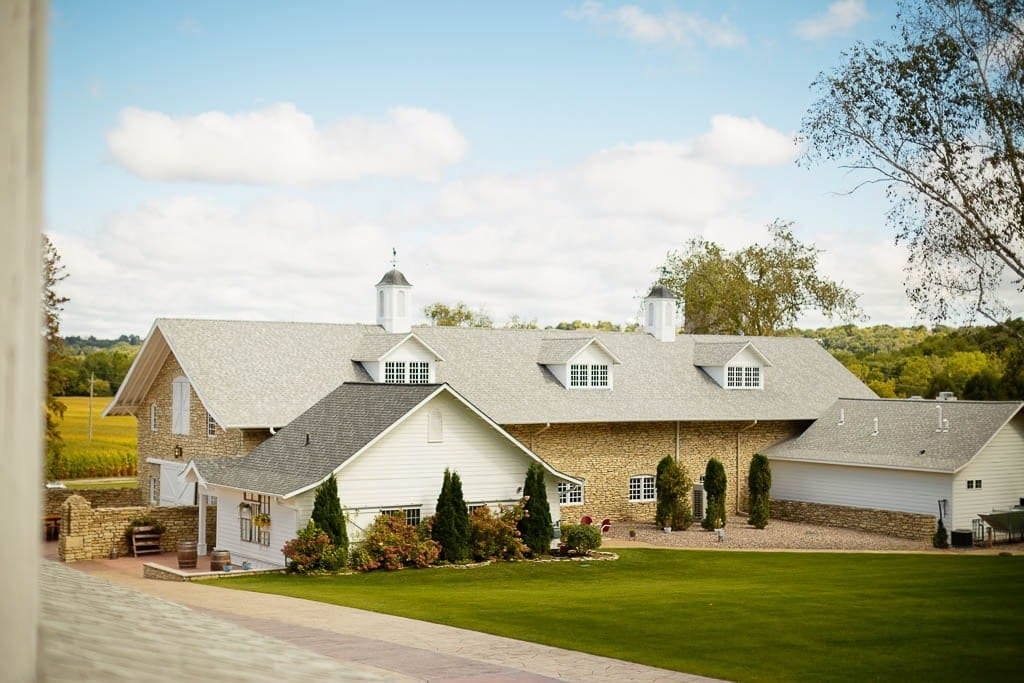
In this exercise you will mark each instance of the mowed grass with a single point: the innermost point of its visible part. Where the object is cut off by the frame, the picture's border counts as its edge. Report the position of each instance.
(739, 616)
(112, 451)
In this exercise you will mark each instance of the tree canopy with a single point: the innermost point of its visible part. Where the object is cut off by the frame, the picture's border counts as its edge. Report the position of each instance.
(459, 315)
(759, 290)
(937, 116)
(53, 304)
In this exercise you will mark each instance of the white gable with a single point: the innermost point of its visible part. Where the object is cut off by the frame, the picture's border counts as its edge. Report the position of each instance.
(410, 350)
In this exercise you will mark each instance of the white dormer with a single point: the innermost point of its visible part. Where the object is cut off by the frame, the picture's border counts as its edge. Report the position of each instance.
(733, 365)
(394, 302)
(579, 363)
(660, 313)
(398, 359)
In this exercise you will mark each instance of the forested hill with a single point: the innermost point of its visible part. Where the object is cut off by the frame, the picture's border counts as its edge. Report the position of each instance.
(972, 362)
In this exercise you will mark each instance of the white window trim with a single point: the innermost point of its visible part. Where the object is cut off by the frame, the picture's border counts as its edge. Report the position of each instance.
(211, 426)
(435, 426)
(583, 375)
(570, 494)
(742, 379)
(411, 512)
(648, 492)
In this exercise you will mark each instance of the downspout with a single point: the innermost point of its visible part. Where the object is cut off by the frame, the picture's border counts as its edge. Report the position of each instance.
(677, 441)
(540, 431)
(749, 426)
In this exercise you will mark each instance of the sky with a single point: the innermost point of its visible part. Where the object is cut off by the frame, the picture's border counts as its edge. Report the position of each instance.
(257, 160)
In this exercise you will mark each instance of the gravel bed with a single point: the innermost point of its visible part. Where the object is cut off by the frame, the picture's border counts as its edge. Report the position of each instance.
(778, 535)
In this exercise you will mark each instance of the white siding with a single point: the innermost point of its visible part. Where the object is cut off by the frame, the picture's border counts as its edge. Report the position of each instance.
(1000, 467)
(404, 469)
(747, 358)
(282, 530)
(863, 487)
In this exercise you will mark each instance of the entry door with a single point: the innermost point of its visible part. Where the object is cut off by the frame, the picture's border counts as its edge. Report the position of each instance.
(174, 490)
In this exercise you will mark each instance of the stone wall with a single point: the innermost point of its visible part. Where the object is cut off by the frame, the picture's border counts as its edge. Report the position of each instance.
(101, 498)
(88, 533)
(606, 455)
(164, 444)
(901, 524)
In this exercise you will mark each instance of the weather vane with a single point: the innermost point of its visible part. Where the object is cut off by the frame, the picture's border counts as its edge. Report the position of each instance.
(394, 257)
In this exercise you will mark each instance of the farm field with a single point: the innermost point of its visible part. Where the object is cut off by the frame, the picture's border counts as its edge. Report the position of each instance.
(112, 451)
(734, 615)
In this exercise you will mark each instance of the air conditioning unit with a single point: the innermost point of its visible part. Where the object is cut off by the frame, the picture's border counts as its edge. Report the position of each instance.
(699, 502)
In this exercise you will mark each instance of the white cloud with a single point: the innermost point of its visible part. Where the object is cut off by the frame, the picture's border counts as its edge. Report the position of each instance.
(737, 141)
(671, 26)
(280, 145)
(579, 241)
(840, 16)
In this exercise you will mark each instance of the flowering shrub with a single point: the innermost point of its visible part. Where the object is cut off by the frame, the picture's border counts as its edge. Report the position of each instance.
(494, 535)
(312, 551)
(581, 538)
(391, 544)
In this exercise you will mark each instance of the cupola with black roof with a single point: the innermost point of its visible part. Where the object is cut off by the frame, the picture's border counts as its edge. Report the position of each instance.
(660, 313)
(394, 300)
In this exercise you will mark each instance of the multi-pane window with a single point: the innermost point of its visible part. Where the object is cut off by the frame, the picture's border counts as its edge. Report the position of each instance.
(974, 483)
(743, 377)
(254, 518)
(211, 425)
(412, 515)
(394, 372)
(583, 375)
(641, 488)
(570, 494)
(152, 417)
(419, 372)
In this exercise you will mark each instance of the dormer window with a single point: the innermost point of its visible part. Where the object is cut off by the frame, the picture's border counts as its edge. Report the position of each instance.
(406, 372)
(592, 375)
(743, 377)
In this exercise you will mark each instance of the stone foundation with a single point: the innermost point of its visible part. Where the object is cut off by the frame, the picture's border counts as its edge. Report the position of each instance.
(87, 533)
(889, 522)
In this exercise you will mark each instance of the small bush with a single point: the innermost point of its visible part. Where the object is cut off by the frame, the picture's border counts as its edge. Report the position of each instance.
(715, 484)
(312, 551)
(581, 538)
(451, 525)
(328, 515)
(494, 535)
(145, 520)
(759, 485)
(392, 544)
(940, 539)
(535, 526)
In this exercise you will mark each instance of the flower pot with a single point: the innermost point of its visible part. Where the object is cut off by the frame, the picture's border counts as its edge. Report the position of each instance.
(667, 529)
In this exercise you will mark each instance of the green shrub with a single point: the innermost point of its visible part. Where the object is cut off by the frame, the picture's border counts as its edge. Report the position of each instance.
(581, 538)
(673, 489)
(759, 486)
(145, 520)
(940, 539)
(535, 526)
(312, 551)
(715, 485)
(494, 535)
(328, 515)
(450, 526)
(392, 544)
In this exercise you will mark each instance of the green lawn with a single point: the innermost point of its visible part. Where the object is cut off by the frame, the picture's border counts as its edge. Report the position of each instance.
(739, 616)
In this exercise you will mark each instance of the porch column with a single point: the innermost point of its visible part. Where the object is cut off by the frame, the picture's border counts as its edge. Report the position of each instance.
(201, 531)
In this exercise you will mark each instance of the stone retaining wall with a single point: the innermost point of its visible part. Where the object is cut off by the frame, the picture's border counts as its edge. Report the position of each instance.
(889, 522)
(100, 498)
(88, 533)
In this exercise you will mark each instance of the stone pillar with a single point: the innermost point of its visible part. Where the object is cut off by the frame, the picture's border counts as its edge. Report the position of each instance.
(22, 115)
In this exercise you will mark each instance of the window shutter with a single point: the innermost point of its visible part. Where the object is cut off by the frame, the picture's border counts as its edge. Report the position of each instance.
(180, 406)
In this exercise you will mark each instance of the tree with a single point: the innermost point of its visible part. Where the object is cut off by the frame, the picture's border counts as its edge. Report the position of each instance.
(535, 526)
(328, 515)
(759, 290)
(937, 116)
(673, 489)
(451, 528)
(759, 486)
(715, 485)
(459, 315)
(53, 274)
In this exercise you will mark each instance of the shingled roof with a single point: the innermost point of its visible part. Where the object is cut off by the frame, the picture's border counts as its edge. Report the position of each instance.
(909, 435)
(264, 374)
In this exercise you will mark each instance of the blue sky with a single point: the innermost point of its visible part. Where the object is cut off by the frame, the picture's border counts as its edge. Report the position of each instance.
(260, 160)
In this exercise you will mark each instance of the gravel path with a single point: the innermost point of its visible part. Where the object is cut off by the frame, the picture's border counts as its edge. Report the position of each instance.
(778, 535)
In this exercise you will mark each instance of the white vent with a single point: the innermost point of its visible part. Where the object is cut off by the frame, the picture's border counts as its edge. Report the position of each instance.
(875, 432)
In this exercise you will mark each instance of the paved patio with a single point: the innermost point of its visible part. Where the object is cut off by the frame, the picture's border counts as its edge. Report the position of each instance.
(141, 629)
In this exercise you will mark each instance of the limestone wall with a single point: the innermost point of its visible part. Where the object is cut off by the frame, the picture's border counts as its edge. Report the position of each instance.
(88, 533)
(901, 524)
(101, 498)
(606, 455)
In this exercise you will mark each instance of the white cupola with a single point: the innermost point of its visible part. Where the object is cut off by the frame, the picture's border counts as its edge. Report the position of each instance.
(394, 302)
(660, 313)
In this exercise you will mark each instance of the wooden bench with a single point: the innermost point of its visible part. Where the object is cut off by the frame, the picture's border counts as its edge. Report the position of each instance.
(145, 539)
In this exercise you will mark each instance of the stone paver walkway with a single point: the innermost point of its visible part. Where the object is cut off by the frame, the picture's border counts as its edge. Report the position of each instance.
(359, 643)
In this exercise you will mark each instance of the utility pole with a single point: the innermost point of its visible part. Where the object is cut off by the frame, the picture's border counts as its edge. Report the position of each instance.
(92, 380)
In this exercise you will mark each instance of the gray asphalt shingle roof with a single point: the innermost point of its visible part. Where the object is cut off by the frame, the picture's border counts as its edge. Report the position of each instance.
(339, 425)
(907, 436)
(264, 374)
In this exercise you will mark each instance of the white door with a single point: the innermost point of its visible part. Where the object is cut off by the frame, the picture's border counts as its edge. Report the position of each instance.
(174, 490)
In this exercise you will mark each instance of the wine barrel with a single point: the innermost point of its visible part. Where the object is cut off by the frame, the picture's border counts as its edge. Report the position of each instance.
(218, 559)
(187, 554)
